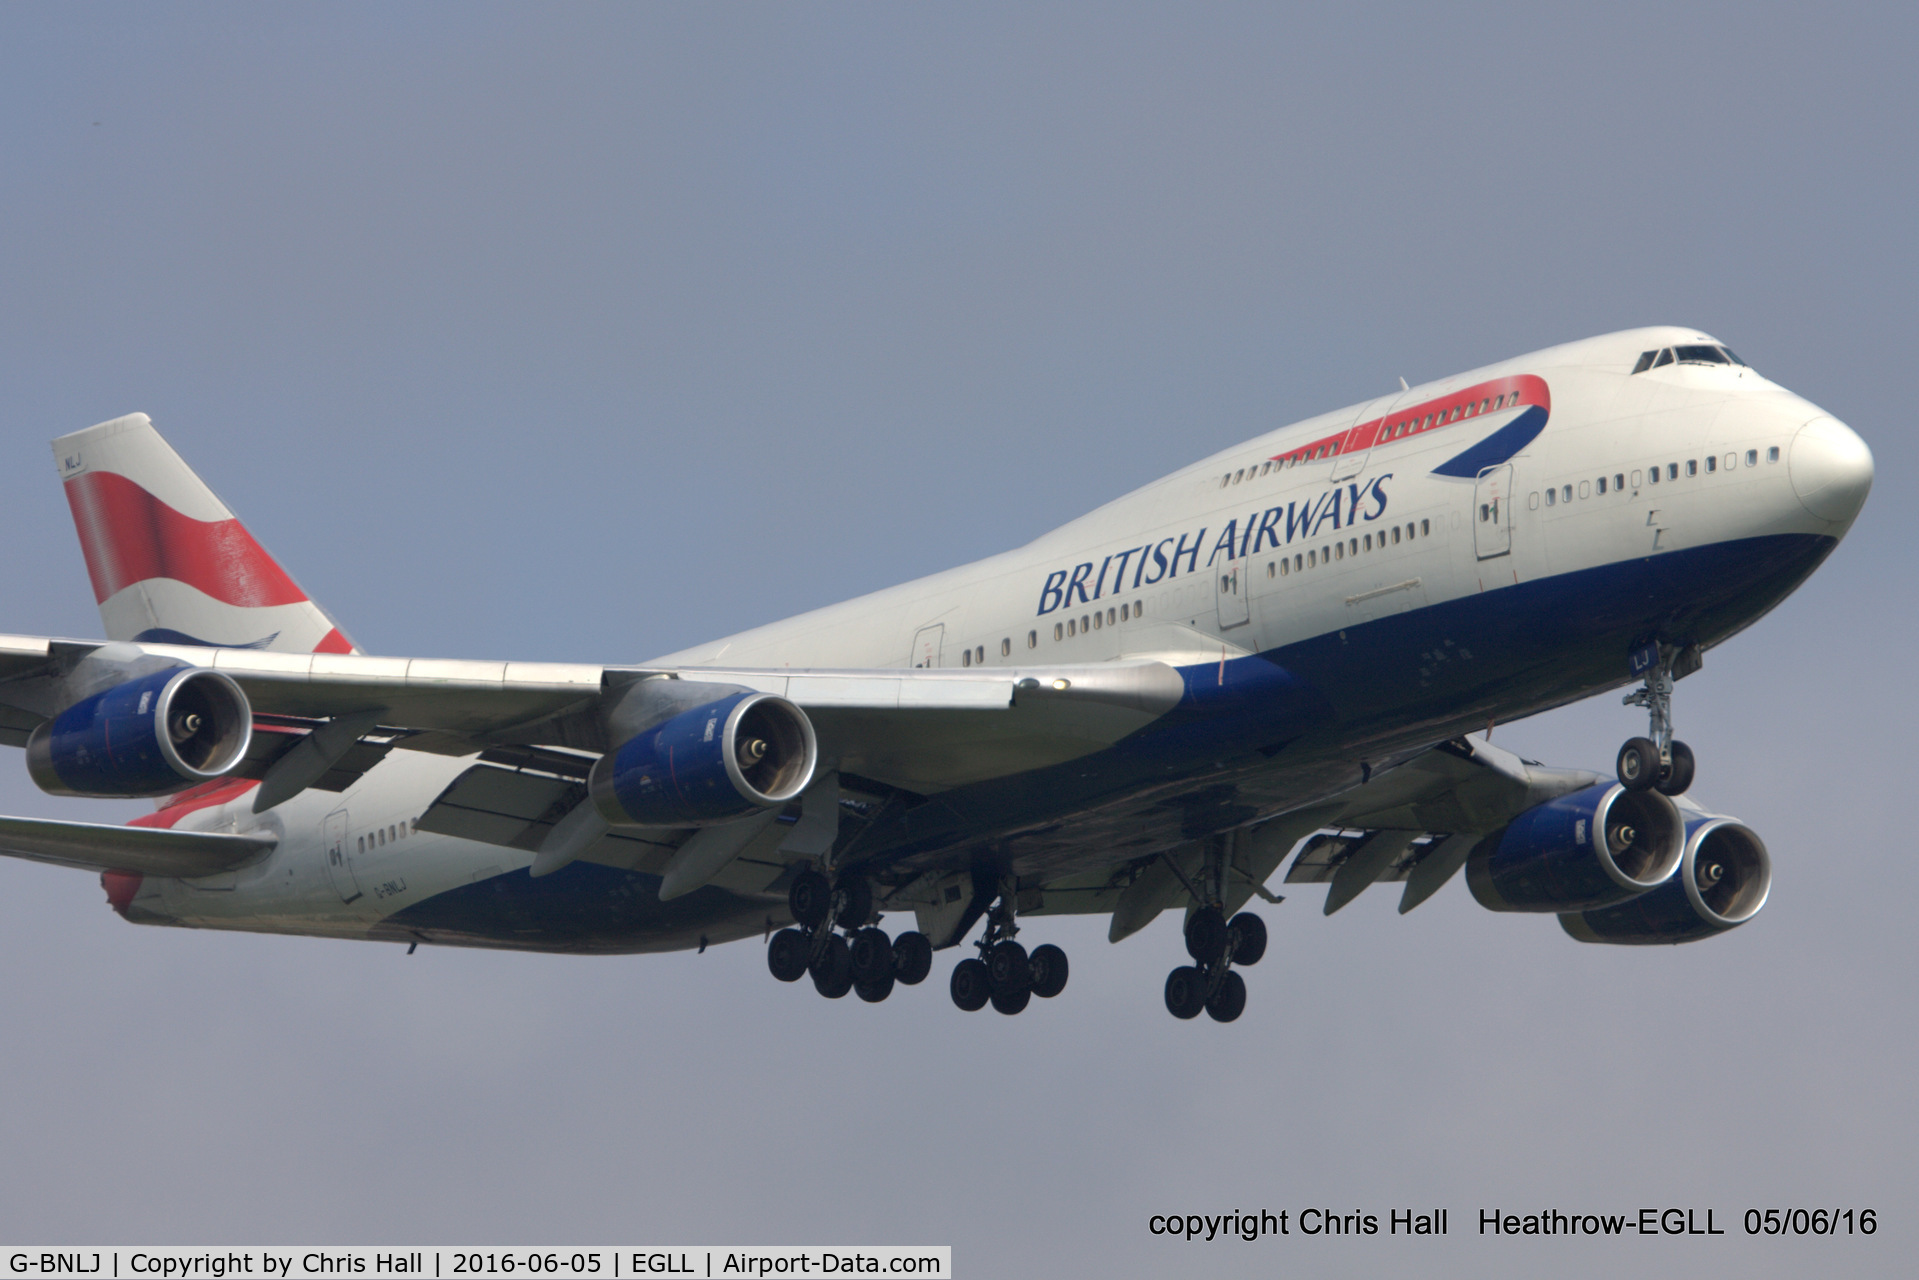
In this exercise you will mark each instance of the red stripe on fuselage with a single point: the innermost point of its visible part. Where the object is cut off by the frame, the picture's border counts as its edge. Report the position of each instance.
(129, 536)
(1407, 421)
(193, 799)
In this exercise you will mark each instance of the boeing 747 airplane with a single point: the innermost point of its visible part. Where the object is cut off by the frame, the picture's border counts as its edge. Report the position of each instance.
(1276, 652)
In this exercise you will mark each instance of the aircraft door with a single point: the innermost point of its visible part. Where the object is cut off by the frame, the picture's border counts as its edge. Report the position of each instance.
(339, 863)
(1493, 512)
(1355, 453)
(926, 645)
(1234, 588)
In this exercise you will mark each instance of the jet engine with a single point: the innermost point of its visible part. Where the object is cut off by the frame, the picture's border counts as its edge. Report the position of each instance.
(715, 762)
(150, 735)
(1589, 849)
(1723, 880)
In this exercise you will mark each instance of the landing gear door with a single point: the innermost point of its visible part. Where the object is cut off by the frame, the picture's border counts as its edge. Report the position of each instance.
(339, 864)
(1234, 586)
(1493, 512)
(926, 645)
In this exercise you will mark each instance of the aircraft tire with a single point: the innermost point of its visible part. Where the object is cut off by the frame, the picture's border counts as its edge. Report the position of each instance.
(786, 955)
(808, 898)
(872, 956)
(875, 988)
(912, 957)
(833, 969)
(971, 986)
(856, 902)
(1049, 971)
(1638, 764)
(1008, 967)
(1012, 1002)
(1185, 992)
(1206, 935)
(1248, 934)
(1229, 1001)
(1678, 775)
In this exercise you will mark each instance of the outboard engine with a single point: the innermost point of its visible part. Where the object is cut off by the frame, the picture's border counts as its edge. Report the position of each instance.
(1723, 880)
(1589, 849)
(150, 735)
(718, 761)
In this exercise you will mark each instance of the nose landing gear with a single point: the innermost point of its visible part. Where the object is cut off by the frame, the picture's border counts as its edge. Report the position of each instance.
(1658, 762)
(863, 960)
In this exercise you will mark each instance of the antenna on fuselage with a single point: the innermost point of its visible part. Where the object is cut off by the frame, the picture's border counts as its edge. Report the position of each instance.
(1403, 386)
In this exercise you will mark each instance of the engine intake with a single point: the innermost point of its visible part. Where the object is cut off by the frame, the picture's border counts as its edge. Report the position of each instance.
(1723, 880)
(148, 736)
(717, 762)
(1589, 849)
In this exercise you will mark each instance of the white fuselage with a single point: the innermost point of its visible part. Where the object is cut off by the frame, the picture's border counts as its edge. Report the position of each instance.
(1399, 539)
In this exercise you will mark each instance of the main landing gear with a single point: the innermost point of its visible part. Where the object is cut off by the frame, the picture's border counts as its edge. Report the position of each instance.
(1658, 762)
(1005, 975)
(1216, 944)
(863, 959)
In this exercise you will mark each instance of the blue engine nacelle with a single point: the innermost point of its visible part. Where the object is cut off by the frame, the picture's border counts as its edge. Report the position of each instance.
(148, 736)
(1723, 880)
(717, 762)
(1592, 848)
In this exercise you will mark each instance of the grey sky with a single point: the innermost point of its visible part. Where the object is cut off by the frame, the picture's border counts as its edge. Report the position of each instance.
(590, 332)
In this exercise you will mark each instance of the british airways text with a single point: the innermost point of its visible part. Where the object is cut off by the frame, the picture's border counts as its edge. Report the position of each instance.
(1351, 504)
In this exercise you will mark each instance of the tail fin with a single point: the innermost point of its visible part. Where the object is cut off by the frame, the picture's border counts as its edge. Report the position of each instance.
(169, 563)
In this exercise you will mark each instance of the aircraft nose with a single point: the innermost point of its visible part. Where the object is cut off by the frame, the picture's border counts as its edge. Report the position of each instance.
(1831, 469)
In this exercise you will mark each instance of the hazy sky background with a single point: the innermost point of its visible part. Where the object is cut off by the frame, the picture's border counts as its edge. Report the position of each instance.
(589, 333)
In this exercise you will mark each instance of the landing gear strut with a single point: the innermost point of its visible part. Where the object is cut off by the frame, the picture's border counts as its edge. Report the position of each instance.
(1004, 974)
(863, 960)
(1216, 944)
(1658, 762)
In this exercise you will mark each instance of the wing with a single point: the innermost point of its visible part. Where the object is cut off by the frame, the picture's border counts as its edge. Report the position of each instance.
(1414, 822)
(918, 730)
(149, 850)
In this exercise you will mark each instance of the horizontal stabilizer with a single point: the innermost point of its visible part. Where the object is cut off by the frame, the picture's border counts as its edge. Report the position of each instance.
(153, 851)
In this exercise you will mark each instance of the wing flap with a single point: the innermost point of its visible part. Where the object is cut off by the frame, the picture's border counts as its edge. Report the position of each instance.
(153, 851)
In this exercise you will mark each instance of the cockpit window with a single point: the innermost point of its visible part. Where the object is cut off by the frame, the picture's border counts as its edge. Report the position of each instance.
(1696, 354)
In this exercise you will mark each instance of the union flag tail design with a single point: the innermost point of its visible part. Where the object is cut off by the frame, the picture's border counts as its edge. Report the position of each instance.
(170, 564)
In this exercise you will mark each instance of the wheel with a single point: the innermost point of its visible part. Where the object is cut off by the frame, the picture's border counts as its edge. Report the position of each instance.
(1206, 934)
(1008, 966)
(856, 902)
(1248, 934)
(1229, 1001)
(1049, 971)
(786, 955)
(808, 898)
(1011, 1002)
(971, 986)
(874, 988)
(912, 958)
(1638, 765)
(1185, 992)
(833, 969)
(872, 953)
(1678, 775)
